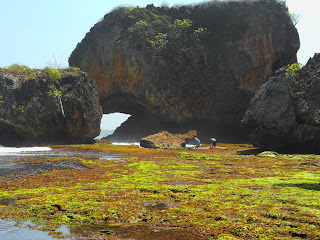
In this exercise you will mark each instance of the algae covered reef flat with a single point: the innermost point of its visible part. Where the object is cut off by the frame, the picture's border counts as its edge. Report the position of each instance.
(233, 192)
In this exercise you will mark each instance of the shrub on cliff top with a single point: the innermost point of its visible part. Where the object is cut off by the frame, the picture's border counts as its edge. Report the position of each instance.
(17, 68)
(54, 74)
(293, 70)
(24, 72)
(163, 32)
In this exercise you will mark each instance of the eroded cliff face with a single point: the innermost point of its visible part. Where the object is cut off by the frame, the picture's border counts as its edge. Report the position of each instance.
(285, 112)
(190, 64)
(47, 107)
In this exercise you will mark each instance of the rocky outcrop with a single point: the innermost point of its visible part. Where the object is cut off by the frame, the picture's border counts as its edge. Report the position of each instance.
(285, 113)
(190, 64)
(165, 139)
(47, 107)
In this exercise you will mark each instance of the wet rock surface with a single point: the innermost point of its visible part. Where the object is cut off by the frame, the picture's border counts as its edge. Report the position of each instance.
(284, 114)
(19, 165)
(137, 231)
(9, 170)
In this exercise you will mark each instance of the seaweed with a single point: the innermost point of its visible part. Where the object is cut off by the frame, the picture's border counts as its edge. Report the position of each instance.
(214, 193)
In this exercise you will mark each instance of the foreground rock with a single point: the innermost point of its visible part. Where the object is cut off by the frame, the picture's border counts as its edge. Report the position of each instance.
(195, 66)
(165, 139)
(47, 107)
(285, 113)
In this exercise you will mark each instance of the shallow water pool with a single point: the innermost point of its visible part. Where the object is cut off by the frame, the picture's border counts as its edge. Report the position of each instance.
(9, 231)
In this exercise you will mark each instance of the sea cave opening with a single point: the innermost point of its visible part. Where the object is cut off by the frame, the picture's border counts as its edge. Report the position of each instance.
(110, 122)
(127, 118)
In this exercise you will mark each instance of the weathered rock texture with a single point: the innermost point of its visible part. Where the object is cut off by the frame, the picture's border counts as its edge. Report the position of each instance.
(165, 139)
(285, 113)
(189, 64)
(31, 111)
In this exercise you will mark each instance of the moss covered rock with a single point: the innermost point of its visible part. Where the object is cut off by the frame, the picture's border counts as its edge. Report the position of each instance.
(47, 106)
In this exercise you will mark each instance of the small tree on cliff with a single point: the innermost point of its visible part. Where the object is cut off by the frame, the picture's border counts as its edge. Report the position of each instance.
(293, 70)
(199, 36)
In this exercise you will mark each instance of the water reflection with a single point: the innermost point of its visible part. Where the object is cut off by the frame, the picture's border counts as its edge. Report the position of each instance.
(9, 231)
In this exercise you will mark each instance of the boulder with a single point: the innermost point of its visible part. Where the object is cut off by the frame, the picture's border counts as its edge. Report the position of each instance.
(47, 106)
(285, 113)
(194, 66)
(165, 139)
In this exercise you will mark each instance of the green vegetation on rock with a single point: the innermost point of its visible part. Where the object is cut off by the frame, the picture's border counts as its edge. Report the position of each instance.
(21, 108)
(31, 74)
(17, 68)
(213, 192)
(54, 74)
(162, 33)
(293, 70)
(57, 93)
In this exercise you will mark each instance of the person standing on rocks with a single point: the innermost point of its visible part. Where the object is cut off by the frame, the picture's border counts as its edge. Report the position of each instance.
(197, 142)
(213, 143)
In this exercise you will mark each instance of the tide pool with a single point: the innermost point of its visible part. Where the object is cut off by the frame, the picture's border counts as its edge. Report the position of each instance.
(10, 231)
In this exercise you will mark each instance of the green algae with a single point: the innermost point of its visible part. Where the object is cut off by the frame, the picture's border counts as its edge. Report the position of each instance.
(268, 154)
(215, 193)
(197, 156)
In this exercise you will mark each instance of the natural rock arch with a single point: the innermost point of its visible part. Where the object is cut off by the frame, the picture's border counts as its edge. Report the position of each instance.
(193, 67)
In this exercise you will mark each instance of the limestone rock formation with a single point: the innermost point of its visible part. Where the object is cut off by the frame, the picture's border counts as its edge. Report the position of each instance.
(285, 113)
(165, 139)
(47, 107)
(188, 65)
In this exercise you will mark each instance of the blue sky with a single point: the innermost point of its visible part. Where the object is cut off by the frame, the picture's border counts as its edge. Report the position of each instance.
(40, 33)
